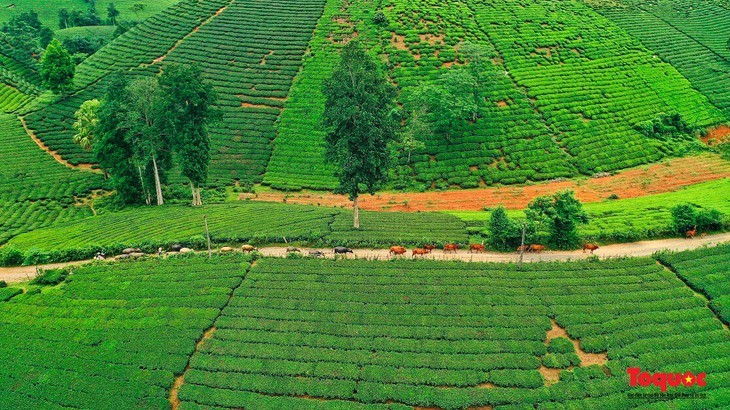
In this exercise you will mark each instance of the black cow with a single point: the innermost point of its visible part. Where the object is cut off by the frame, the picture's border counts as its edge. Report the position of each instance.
(342, 250)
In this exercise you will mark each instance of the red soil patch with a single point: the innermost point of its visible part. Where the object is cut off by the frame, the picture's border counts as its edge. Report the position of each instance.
(717, 135)
(399, 42)
(501, 104)
(647, 180)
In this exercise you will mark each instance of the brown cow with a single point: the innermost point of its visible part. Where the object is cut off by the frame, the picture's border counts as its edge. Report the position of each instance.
(691, 233)
(451, 247)
(397, 250)
(536, 248)
(523, 248)
(429, 247)
(589, 246)
(476, 247)
(419, 251)
(248, 248)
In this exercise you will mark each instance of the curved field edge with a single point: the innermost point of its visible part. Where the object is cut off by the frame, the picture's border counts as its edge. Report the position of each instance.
(706, 272)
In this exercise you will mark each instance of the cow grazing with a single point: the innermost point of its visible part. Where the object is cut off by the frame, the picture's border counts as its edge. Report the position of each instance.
(476, 247)
(316, 254)
(226, 249)
(248, 248)
(523, 248)
(589, 246)
(341, 250)
(397, 250)
(691, 233)
(536, 248)
(451, 247)
(420, 251)
(429, 247)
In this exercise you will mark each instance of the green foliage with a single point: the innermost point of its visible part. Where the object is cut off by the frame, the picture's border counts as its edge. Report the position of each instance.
(186, 102)
(687, 216)
(3, 284)
(561, 345)
(561, 213)
(86, 122)
(57, 69)
(50, 277)
(111, 150)
(358, 106)
(504, 233)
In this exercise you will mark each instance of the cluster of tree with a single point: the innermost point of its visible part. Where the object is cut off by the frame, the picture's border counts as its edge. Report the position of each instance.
(81, 47)
(139, 126)
(364, 126)
(550, 219)
(686, 217)
(90, 17)
(26, 36)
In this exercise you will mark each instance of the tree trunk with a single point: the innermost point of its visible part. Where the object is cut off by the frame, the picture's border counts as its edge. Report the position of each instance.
(356, 215)
(146, 193)
(197, 193)
(158, 186)
(192, 190)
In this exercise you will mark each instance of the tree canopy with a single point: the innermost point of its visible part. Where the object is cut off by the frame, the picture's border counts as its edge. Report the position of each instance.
(358, 118)
(561, 214)
(87, 120)
(57, 68)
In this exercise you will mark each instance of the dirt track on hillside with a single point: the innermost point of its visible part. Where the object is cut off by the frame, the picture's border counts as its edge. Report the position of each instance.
(635, 249)
(663, 177)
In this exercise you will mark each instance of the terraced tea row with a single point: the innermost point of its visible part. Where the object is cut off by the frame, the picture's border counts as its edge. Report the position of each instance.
(706, 271)
(35, 190)
(99, 342)
(689, 34)
(345, 334)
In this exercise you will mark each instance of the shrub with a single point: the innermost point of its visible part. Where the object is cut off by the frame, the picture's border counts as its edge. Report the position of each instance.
(50, 277)
(3, 284)
(10, 256)
(687, 216)
(561, 345)
(380, 19)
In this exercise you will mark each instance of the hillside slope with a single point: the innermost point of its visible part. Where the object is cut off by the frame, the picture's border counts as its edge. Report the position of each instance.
(35, 190)
(564, 96)
(567, 89)
(249, 50)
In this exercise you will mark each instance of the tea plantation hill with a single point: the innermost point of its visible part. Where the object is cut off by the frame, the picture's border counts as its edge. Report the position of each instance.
(568, 85)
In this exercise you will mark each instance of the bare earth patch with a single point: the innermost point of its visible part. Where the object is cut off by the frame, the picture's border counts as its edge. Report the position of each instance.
(717, 135)
(552, 376)
(667, 176)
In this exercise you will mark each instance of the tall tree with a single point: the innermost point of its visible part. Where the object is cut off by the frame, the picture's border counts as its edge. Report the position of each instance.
(478, 66)
(57, 68)
(112, 13)
(146, 136)
(87, 120)
(63, 18)
(111, 149)
(187, 109)
(359, 103)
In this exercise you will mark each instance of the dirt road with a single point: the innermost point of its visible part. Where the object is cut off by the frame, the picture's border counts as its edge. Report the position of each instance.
(644, 248)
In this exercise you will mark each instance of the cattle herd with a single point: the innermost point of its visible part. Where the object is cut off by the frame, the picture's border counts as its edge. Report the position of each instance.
(397, 250)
